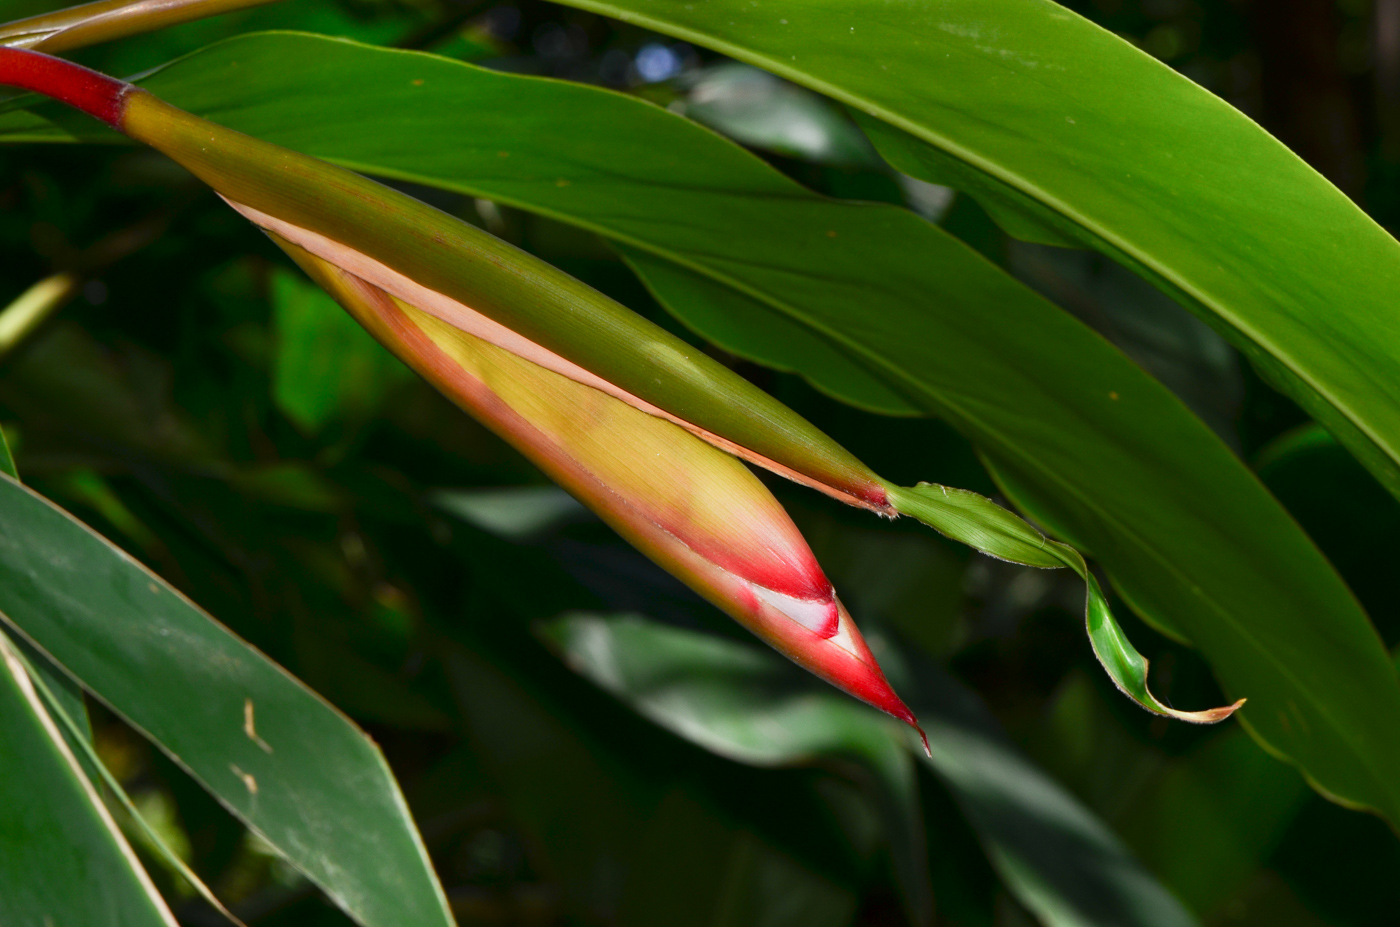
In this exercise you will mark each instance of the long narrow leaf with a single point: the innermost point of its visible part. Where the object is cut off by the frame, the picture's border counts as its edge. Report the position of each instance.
(62, 859)
(1067, 865)
(1096, 450)
(72, 721)
(1053, 854)
(291, 767)
(107, 20)
(54, 683)
(730, 699)
(1071, 135)
(626, 847)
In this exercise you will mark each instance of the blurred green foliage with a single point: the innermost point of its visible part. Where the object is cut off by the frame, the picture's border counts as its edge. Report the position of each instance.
(204, 407)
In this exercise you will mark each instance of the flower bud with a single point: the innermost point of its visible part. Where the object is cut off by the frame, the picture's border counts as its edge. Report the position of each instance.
(445, 283)
(694, 510)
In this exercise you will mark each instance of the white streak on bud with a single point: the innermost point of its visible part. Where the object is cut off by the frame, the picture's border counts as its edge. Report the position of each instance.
(820, 616)
(698, 513)
(466, 319)
(842, 638)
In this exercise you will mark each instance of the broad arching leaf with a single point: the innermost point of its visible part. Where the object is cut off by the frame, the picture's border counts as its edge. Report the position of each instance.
(1080, 437)
(740, 703)
(1058, 860)
(1070, 135)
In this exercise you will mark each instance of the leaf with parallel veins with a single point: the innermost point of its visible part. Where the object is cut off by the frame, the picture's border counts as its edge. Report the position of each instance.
(444, 295)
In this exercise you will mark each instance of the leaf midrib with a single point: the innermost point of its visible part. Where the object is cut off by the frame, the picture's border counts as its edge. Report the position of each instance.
(867, 356)
(1011, 179)
(906, 380)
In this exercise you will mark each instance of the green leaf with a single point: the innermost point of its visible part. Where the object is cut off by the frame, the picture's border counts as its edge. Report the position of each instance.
(62, 859)
(1095, 451)
(1347, 512)
(7, 460)
(58, 686)
(48, 677)
(983, 525)
(516, 513)
(1064, 863)
(732, 700)
(625, 847)
(1213, 817)
(1019, 215)
(759, 110)
(1069, 134)
(65, 695)
(750, 328)
(326, 366)
(75, 726)
(281, 759)
(737, 701)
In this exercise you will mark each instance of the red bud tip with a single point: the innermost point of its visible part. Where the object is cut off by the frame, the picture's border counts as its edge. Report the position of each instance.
(98, 95)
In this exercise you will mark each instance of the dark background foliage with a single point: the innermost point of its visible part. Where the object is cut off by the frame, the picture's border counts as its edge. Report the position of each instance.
(329, 511)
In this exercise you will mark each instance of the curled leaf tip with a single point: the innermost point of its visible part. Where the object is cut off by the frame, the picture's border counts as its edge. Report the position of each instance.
(980, 523)
(1210, 716)
(1121, 660)
(630, 419)
(1140, 694)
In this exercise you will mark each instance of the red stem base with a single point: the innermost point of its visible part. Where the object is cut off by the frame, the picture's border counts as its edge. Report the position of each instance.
(96, 94)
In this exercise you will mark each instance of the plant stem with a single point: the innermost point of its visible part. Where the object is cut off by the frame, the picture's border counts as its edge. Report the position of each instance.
(98, 95)
(107, 20)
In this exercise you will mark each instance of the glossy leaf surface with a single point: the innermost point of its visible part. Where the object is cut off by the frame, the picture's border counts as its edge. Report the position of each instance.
(1072, 135)
(72, 721)
(62, 859)
(625, 850)
(273, 752)
(983, 525)
(1079, 437)
(1056, 857)
(731, 700)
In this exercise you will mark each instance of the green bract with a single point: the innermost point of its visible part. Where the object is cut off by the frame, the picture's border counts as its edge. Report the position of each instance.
(475, 282)
(1097, 451)
(398, 557)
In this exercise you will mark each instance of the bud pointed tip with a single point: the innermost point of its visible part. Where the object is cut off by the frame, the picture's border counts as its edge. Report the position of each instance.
(900, 712)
